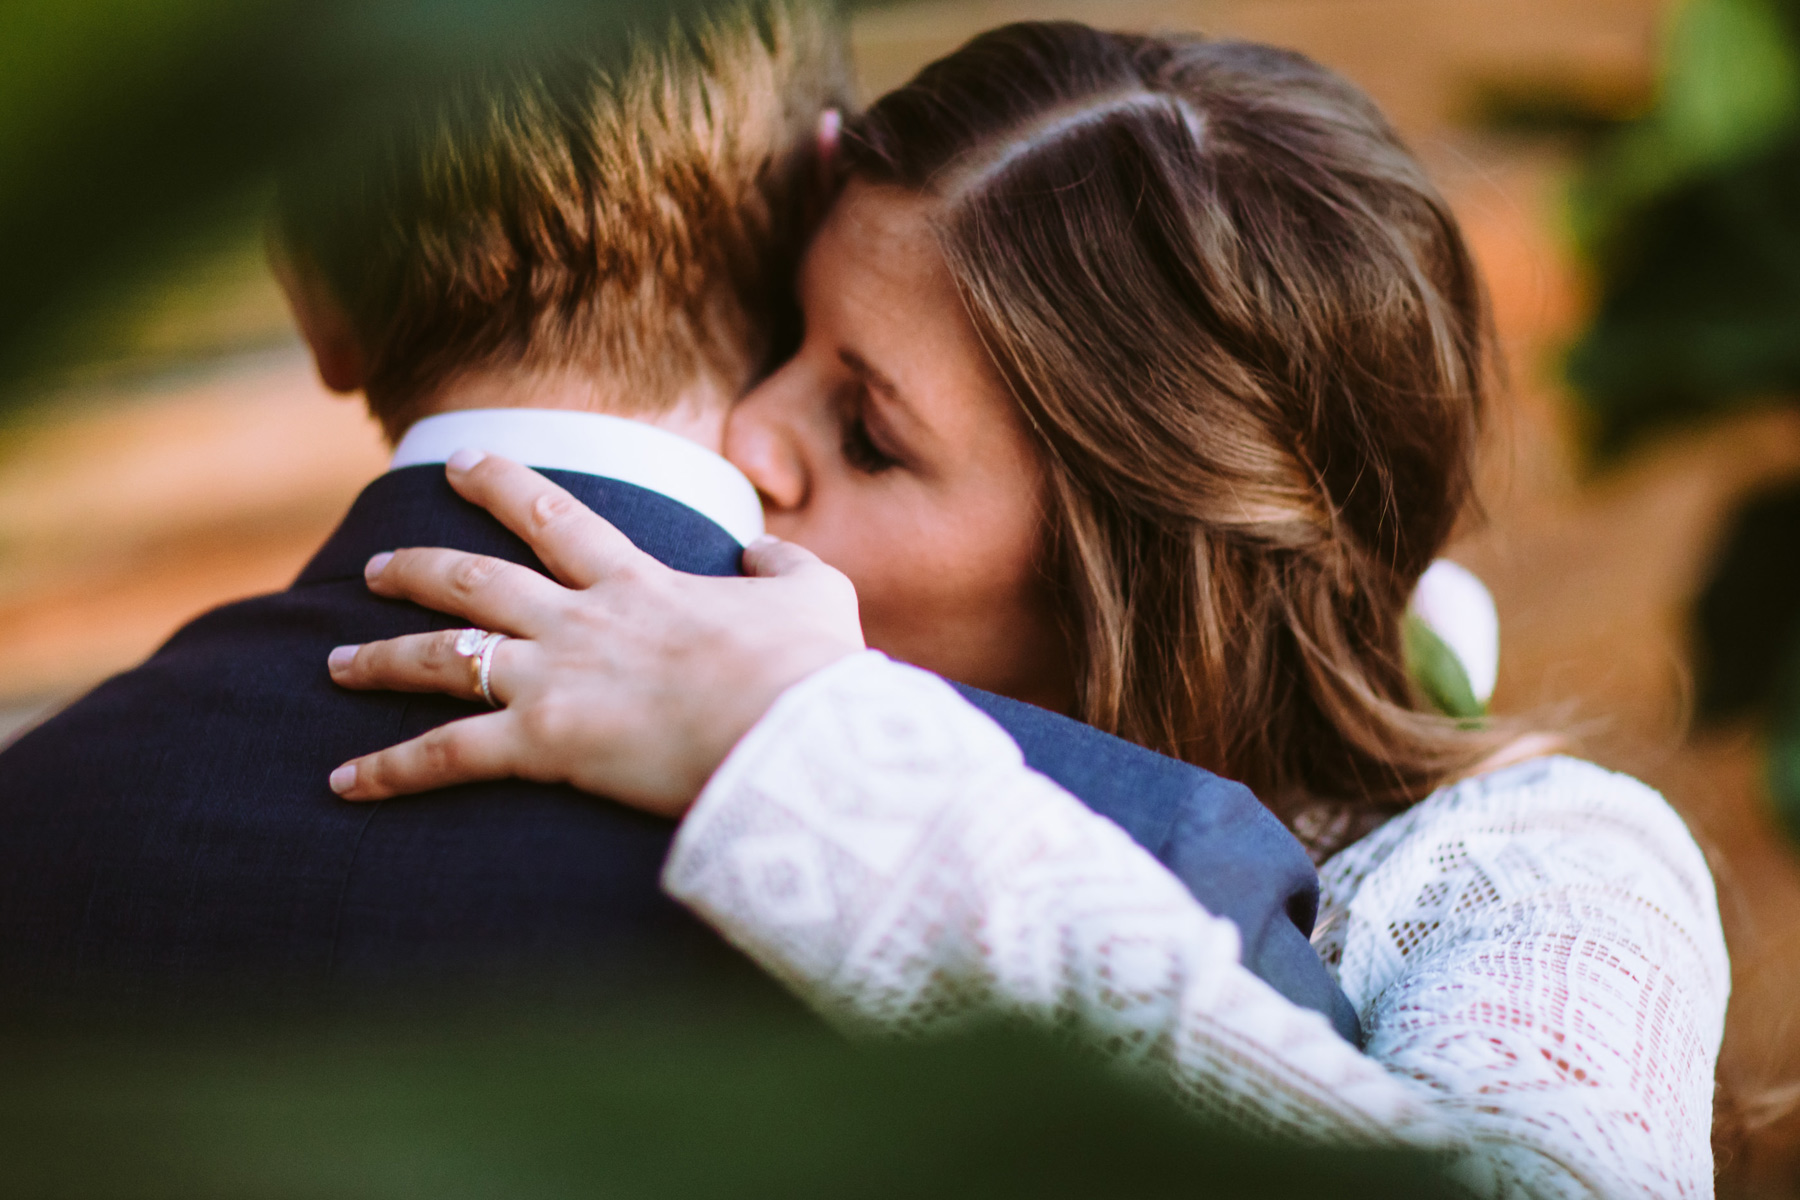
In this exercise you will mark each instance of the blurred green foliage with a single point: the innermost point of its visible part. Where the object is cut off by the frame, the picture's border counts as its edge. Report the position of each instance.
(667, 1098)
(1747, 623)
(1729, 88)
(132, 130)
(1690, 218)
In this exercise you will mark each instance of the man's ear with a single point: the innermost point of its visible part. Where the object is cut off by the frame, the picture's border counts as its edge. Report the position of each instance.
(828, 135)
(822, 188)
(322, 320)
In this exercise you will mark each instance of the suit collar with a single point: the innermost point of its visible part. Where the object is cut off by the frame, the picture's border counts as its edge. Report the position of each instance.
(595, 444)
(415, 506)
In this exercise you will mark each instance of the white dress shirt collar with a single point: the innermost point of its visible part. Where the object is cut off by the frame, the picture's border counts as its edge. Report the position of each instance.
(595, 444)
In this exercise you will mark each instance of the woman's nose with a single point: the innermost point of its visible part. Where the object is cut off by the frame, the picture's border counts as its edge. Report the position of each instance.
(768, 450)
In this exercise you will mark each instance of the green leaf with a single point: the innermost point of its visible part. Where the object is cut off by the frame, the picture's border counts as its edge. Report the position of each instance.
(1438, 673)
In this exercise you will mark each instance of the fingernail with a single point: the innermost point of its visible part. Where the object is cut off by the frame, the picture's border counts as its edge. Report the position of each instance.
(464, 459)
(343, 779)
(339, 658)
(763, 542)
(378, 564)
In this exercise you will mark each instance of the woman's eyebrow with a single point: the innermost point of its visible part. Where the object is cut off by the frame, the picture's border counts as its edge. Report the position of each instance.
(892, 401)
(874, 378)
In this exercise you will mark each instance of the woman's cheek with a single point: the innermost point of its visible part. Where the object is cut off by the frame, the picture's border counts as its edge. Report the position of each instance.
(837, 531)
(898, 583)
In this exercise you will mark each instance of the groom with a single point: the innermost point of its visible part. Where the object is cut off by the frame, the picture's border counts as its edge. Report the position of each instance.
(580, 272)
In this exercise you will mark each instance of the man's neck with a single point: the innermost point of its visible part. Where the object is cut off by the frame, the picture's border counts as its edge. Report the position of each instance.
(696, 413)
(554, 425)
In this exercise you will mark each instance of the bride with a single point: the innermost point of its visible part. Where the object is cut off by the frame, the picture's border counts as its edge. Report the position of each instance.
(1141, 379)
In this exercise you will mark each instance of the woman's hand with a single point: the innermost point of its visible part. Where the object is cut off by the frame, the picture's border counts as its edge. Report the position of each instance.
(633, 681)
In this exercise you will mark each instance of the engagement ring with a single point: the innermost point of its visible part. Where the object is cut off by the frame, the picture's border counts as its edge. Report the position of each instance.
(477, 645)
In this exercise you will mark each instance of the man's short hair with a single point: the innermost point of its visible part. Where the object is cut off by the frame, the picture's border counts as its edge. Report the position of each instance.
(634, 215)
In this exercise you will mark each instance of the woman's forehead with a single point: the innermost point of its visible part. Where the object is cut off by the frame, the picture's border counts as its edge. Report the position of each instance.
(879, 237)
(877, 283)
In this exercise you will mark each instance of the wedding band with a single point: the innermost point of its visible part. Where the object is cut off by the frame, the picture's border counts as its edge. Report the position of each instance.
(477, 645)
(486, 660)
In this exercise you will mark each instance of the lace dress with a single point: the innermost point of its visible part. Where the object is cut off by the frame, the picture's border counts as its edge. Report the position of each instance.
(1535, 954)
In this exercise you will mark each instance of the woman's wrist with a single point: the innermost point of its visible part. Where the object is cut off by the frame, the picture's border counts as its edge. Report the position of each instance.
(789, 707)
(764, 679)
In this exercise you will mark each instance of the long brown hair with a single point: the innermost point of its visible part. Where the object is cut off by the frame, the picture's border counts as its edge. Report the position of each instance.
(1255, 349)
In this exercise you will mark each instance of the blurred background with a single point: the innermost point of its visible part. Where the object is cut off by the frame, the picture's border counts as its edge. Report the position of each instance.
(1627, 170)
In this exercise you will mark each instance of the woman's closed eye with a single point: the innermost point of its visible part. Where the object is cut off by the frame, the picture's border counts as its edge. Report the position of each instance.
(863, 448)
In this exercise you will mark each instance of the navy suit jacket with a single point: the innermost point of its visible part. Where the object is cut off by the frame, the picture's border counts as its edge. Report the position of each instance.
(174, 829)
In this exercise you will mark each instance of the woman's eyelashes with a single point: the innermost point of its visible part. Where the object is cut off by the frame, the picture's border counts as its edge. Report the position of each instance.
(862, 449)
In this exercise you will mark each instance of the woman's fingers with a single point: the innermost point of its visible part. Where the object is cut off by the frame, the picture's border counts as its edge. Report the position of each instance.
(578, 545)
(609, 693)
(426, 662)
(825, 588)
(468, 751)
(489, 592)
(768, 557)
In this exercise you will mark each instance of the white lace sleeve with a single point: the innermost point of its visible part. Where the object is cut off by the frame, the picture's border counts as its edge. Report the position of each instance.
(1541, 947)
(879, 845)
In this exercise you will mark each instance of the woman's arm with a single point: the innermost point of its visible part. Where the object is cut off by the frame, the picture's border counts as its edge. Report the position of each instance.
(1541, 946)
(1536, 957)
(877, 844)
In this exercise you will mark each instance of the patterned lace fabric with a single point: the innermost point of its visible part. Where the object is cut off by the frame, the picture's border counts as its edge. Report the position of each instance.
(1535, 954)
